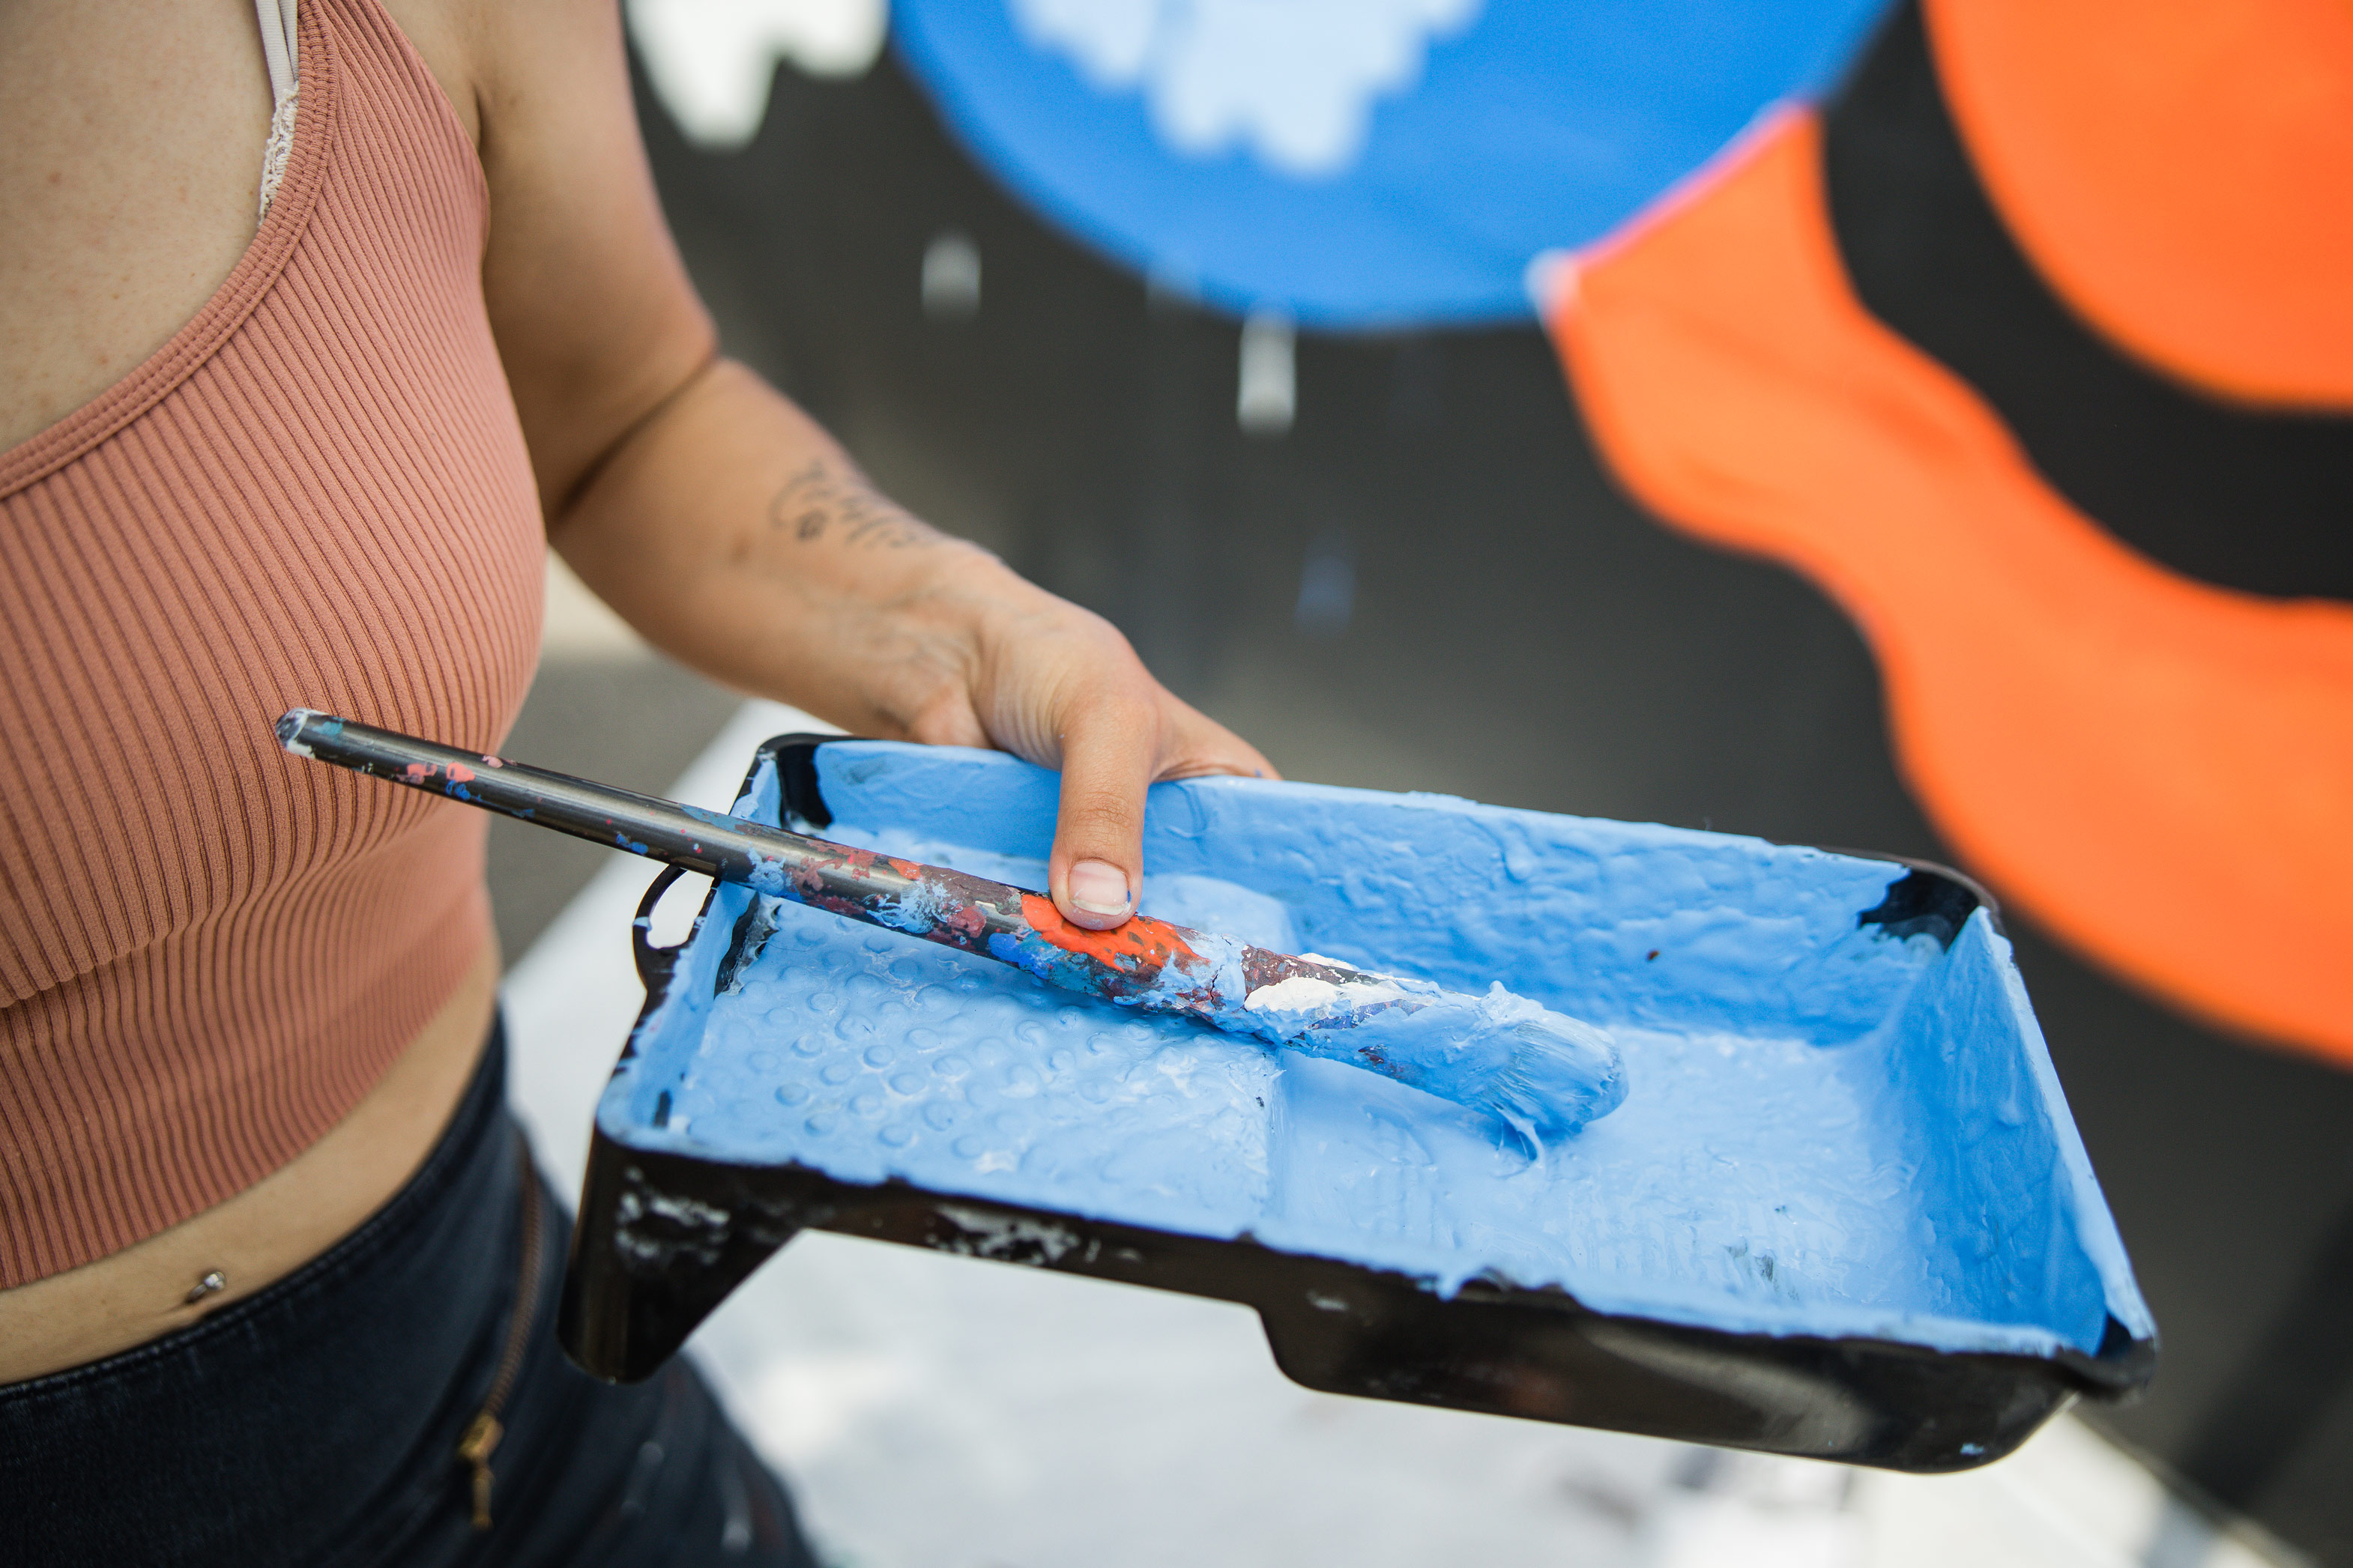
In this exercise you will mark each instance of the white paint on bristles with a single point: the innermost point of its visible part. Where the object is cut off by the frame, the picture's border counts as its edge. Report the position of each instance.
(1303, 993)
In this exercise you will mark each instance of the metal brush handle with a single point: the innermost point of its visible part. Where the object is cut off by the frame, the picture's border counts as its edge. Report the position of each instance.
(1012, 925)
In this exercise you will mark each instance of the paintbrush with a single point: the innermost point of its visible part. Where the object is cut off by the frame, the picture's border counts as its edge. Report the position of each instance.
(1544, 1074)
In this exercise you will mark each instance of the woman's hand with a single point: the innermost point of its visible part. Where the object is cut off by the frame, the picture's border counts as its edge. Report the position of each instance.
(1040, 677)
(734, 534)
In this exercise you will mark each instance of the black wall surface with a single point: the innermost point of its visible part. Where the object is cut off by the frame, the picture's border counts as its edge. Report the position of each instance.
(1518, 632)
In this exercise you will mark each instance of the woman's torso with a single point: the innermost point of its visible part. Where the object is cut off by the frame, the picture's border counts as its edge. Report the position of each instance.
(237, 472)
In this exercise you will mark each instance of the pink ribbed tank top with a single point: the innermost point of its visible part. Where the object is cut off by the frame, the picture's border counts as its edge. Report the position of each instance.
(316, 493)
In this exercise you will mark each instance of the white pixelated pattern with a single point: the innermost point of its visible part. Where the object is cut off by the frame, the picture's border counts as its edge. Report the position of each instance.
(711, 62)
(1291, 82)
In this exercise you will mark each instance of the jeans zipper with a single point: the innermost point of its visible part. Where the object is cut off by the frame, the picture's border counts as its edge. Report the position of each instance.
(483, 1432)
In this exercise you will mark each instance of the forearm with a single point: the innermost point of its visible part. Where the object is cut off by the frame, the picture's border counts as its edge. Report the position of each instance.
(736, 535)
(730, 530)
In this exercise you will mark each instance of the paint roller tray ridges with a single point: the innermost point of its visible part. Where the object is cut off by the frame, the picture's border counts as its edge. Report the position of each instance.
(1842, 1128)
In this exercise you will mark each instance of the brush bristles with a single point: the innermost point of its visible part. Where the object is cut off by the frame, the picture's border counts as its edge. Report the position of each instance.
(1544, 1074)
(1562, 1074)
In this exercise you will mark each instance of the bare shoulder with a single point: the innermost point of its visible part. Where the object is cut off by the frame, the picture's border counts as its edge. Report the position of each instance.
(595, 320)
(499, 61)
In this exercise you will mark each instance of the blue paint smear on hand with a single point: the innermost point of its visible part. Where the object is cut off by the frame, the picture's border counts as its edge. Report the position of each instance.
(1829, 1132)
(1540, 125)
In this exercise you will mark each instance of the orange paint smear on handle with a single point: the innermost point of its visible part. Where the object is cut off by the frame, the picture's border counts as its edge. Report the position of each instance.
(2159, 771)
(1142, 944)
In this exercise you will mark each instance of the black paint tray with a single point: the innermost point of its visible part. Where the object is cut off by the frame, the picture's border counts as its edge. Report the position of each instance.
(1843, 1214)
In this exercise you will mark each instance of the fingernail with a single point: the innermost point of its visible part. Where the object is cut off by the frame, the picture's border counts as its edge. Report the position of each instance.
(1097, 889)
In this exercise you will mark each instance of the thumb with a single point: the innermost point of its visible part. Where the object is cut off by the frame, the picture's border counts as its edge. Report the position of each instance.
(1109, 754)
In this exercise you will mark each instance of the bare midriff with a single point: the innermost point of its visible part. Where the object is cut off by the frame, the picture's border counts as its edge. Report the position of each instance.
(270, 1229)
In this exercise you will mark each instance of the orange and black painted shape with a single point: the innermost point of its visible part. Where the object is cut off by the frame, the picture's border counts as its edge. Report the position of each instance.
(2155, 767)
(2181, 172)
(2226, 492)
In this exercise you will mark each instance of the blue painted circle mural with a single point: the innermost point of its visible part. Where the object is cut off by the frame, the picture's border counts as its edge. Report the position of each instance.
(1358, 162)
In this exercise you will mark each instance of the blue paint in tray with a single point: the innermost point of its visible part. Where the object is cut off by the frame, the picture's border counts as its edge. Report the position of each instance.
(1830, 1129)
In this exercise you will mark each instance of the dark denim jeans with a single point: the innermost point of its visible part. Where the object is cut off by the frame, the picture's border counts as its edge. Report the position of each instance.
(319, 1422)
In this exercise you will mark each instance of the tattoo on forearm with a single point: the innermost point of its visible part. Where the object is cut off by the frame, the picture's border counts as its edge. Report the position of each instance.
(818, 499)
